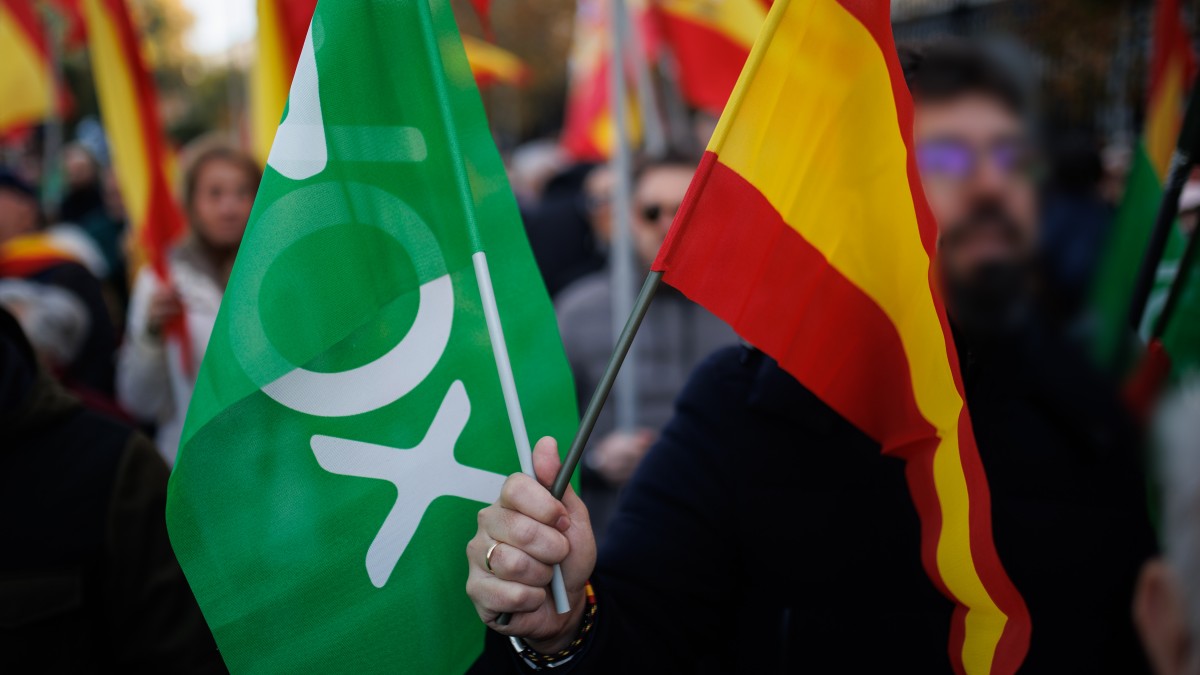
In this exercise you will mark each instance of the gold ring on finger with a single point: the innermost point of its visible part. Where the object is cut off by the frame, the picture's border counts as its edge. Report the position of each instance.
(487, 559)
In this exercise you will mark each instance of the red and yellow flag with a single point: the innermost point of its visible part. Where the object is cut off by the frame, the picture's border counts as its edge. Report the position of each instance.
(141, 157)
(26, 80)
(1172, 68)
(29, 254)
(710, 41)
(589, 128)
(282, 26)
(492, 65)
(129, 110)
(806, 228)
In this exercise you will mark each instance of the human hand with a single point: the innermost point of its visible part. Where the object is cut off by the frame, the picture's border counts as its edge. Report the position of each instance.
(618, 454)
(165, 307)
(532, 531)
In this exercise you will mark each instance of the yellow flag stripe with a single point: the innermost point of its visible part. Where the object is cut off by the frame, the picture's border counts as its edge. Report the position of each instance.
(120, 110)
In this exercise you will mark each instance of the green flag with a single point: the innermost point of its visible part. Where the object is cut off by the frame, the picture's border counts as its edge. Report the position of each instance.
(357, 406)
(1170, 75)
(1181, 325)
(1127, 244)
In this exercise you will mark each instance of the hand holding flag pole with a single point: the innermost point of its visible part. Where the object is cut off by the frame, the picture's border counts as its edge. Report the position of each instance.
(622, 264)
(592, 412)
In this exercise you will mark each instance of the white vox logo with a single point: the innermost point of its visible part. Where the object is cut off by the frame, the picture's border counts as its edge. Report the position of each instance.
(429, 470)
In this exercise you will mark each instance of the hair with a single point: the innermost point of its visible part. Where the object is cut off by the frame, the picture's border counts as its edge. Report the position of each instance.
(672, 158)
(1178, 435)
(948, 69)
(209, 152)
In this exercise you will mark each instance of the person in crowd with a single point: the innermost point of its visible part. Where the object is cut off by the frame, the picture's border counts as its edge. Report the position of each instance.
(764, 533)
(88, 580)
(85, 206)
(532, 166)
(1075, 221)
(1167, 605)
(675, 336)
(558, 229)
(598, 196)
(152, 382)
(45, 256)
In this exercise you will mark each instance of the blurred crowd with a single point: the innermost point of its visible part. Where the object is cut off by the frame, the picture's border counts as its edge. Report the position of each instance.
(95, 320)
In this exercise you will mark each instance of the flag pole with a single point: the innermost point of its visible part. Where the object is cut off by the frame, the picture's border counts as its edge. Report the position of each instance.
(1182, 161)
(588, 422)
(655, 139)
(512, 401)
(1178, 285)
(621, 255)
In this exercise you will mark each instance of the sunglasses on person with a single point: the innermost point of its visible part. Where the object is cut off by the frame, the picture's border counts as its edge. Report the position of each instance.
(956, 160)
(652, 212)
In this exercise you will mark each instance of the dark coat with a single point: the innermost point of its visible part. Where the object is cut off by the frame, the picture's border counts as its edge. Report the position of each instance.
(88, 580)
(765, 534)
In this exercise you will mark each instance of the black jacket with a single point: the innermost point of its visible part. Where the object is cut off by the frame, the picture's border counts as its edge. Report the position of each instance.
(765, 534)
(88, 580)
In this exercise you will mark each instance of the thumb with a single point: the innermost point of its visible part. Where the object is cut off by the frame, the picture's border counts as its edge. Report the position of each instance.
(545, 461)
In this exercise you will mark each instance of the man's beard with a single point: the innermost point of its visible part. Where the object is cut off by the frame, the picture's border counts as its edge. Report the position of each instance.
(990, 300)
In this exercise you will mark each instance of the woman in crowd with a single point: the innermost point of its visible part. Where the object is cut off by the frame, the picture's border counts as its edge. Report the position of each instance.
(152, 383)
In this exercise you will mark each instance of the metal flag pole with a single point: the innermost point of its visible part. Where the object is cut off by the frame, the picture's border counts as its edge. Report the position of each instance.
(621, 263)
(653, 135)
(683, 136)
(1182, 162)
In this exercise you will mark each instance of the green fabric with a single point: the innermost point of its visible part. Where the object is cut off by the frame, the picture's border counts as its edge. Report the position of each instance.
(1113, 287)
(303, 432)
(1181, 338)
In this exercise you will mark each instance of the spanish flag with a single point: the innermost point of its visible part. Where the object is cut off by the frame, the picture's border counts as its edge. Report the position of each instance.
(492, 65)
(807, 230)
(1172, 69)
(282, 25)
(589, 130)
(26, 80)
(129, 110)
(710, 41)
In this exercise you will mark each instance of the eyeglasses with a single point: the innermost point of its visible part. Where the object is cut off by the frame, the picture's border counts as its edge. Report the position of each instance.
(652, 212)
(956, 160)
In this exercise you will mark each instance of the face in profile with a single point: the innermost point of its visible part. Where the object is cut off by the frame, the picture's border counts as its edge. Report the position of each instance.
(221, 203)
(976, 167)
(656, 199)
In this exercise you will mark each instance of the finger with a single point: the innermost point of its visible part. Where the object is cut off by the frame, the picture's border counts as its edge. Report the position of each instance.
(494, 596)
(546, 461)
(538, 540)
(521, 493)
(513, 564)
(576, 508)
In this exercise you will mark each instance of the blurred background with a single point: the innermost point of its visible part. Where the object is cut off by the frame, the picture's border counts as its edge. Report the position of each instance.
(106, 106)
(1087, 56)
